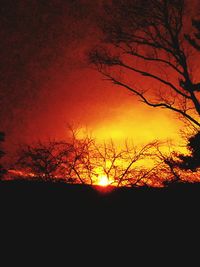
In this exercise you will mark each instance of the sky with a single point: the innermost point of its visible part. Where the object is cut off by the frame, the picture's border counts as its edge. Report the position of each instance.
(46, 81)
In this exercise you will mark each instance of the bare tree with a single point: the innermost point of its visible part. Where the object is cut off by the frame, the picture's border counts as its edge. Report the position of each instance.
(164, 164)
(122, 166)
(149, 38)
(79, 163)
(44, 160)
(83, 160)
(70, 161)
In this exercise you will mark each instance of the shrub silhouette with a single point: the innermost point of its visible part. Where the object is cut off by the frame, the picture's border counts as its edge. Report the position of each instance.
(191, 162)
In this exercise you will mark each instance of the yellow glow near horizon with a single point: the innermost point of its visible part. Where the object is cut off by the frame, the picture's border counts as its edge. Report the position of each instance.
(140, 124)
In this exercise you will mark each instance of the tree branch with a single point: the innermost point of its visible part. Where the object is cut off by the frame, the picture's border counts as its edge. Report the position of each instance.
(156, 59)
(146, 101)
(147, 74)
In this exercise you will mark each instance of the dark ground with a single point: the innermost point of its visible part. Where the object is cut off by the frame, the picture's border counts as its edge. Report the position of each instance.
(148, 221)
(57, 200)
(21, 194)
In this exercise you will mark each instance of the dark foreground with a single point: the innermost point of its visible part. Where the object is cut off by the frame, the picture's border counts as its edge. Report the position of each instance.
(34, 199)
(43, 220)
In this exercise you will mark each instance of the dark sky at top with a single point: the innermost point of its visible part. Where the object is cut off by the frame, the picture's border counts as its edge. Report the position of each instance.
(44, 73)
(45, 79)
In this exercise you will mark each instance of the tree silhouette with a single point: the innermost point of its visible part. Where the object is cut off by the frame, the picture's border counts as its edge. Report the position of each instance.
(83, 160)
(2, 153)
(149, 38)
(78, 165)
(68, 160)
(44, 160)
(121, 165)
(191, 161)
(195, 40)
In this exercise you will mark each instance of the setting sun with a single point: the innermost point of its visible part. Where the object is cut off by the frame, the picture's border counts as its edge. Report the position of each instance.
(103, 180)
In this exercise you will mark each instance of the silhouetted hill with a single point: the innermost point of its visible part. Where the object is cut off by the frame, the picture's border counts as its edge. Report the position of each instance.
(57, 220)
(52, 197)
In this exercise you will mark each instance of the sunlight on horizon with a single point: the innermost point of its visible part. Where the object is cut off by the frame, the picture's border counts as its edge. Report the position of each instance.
(103, 180)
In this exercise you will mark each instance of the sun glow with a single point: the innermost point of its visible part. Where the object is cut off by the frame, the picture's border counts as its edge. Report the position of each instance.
(103, 180)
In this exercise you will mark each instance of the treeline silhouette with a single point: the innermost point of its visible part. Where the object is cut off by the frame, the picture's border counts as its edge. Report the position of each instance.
(84, 161)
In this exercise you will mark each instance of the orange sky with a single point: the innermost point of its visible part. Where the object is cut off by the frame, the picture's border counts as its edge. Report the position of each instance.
(47, 82)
